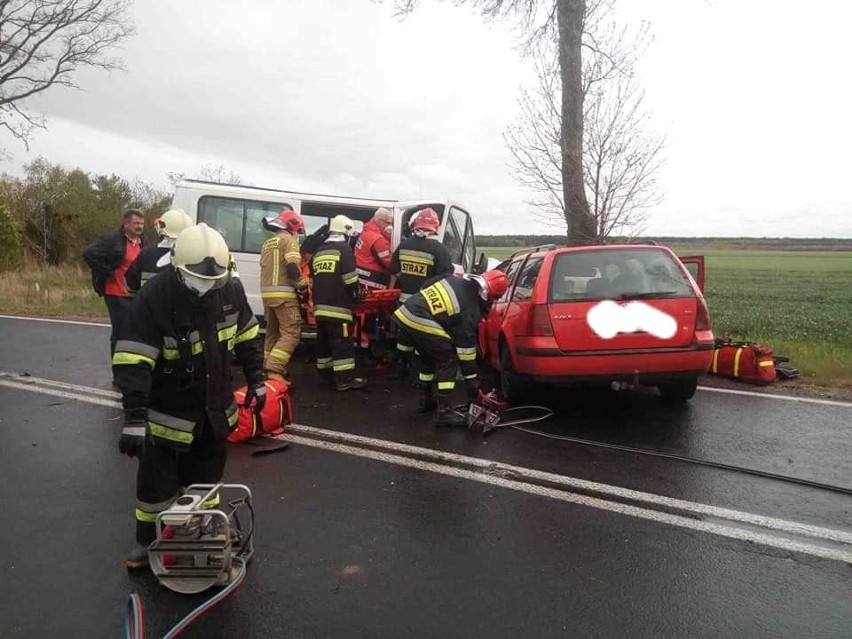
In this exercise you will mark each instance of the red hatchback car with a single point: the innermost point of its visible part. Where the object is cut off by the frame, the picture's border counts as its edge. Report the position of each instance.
(618, 314)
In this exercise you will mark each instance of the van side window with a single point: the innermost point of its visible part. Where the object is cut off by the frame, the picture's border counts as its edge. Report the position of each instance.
(461, 222)
(239, 221)
(453, 241)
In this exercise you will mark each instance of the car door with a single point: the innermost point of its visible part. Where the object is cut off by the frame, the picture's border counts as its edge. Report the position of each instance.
(491, 326)
(695, 265)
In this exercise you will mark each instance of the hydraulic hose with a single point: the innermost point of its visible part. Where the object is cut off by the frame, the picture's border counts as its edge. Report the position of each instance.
(133, 617)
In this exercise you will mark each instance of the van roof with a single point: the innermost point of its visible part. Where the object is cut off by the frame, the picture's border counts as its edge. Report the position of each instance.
(235, 188)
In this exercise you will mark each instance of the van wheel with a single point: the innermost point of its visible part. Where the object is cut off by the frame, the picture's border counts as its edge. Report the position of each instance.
(513, 386)
(678, 391)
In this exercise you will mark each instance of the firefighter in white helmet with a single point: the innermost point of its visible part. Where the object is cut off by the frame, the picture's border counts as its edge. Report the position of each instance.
(156, 259)
(172, 364)
(335, 288)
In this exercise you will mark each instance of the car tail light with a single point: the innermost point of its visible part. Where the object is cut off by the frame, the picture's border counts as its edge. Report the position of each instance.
(702, 320)
(540, 321)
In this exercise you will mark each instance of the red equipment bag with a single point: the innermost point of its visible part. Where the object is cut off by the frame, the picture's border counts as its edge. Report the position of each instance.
(276, 413)
(745, 361)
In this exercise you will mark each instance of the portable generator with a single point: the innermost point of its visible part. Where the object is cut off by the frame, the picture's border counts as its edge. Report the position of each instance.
(198, 540)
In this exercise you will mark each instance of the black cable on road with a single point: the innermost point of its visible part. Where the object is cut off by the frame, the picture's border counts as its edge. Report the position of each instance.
(688, 460)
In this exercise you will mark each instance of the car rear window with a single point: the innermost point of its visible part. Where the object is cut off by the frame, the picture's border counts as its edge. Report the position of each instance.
(617, 274)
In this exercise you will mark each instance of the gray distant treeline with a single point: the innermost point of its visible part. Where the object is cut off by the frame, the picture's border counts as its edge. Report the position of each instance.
(780, 243)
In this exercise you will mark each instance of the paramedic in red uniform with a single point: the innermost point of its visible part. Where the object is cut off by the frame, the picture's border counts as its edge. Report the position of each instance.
(373, 252)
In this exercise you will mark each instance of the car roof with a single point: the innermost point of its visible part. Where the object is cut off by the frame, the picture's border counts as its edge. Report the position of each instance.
(552, 249)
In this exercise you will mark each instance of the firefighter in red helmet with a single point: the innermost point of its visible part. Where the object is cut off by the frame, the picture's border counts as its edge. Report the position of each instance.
(420, 258)
(282, 288)
(441, 322)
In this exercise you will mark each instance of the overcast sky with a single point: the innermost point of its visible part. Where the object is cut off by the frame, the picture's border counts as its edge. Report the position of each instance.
(336, 96)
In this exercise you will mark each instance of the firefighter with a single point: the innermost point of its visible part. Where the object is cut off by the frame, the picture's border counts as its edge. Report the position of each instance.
(372, 251)
(441, 322)
(282, 288)
(335, 287)
(173, 367)
(419, 259)
(155, 259)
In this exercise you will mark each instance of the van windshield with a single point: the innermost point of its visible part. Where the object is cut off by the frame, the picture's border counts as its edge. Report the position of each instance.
(617, 274)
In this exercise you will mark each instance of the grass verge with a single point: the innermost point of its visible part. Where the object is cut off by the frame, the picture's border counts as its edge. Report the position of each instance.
(54, 291)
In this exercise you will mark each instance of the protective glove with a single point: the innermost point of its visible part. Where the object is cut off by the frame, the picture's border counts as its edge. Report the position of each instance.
(256, 397)
(304, 295)
(132, 439)
(472, 386)
(355, 294)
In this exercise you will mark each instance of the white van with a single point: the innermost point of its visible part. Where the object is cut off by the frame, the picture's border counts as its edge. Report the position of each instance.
(236, 212)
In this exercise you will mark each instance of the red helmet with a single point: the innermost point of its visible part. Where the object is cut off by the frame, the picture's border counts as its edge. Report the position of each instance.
(425, 220)
(495, 284)
(286, 220)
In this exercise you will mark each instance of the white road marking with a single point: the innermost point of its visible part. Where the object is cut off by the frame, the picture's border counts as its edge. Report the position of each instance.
(788, 398)
(91, 399)
(521, 482)
(28, 379)
(54, 321)
(592, 502)
(585, 485)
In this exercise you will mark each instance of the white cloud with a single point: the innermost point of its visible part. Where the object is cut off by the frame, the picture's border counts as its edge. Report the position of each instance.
(337, 96)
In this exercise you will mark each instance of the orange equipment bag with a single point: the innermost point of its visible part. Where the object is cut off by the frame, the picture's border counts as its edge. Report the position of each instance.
(276, 413)
(745, 361)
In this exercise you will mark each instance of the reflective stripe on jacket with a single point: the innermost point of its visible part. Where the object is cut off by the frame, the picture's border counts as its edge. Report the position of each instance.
(172, 359)
(418, 260)
(373, 256)
(275, 254)
(334, 281)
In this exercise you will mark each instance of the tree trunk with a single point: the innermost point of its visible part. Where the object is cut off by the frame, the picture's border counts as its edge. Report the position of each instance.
(579, 222)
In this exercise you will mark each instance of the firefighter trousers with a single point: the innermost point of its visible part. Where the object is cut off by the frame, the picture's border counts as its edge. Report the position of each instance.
(438, 359)
(283, 332)
(163, 472)
(335, 351)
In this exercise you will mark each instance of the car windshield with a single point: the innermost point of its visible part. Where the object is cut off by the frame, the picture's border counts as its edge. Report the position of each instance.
(617, 274)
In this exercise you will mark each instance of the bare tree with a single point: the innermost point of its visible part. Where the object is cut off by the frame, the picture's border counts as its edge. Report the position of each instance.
(621, 154)
(561, 21)
(44, 42)
(211, 173)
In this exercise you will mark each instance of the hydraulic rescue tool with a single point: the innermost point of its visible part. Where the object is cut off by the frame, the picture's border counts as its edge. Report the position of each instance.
(196, 545)
(489, 413)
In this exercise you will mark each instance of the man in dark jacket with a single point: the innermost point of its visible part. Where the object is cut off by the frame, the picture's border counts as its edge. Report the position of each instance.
(109, 257)
(441, 321)
(334, 288)
(172, 364)
(156, 259)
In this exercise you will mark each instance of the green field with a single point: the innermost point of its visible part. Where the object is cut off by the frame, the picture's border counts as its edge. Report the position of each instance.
(797, 302)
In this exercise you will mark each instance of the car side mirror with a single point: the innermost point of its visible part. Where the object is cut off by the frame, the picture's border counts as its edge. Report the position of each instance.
(481, 265)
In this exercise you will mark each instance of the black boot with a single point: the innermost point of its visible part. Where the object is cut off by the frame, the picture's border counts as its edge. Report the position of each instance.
(427, 402)
(446, 416)
(400, 366)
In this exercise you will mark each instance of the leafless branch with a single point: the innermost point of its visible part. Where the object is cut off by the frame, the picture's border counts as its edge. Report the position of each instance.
(43, 43)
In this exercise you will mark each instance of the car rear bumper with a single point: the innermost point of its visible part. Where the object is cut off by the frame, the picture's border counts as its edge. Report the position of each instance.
(645, 366)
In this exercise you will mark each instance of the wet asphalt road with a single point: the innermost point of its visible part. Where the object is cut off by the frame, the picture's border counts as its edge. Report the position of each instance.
(351, 546)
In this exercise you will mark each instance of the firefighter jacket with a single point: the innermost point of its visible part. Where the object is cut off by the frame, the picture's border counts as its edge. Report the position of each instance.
(417, 260)
(151, 260)
(280, 269)
(373, 256)
(104, 255)
(450, 309)
(172, 360)
(335, 282)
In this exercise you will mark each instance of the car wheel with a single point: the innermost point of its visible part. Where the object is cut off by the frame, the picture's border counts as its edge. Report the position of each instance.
(513, 386)
(678, 391)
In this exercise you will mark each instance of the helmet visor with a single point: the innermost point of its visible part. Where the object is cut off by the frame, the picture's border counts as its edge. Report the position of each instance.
(200, 285)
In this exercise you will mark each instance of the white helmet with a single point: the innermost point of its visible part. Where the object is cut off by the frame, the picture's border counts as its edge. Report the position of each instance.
(342, 224)
(201, 258)
(172, 222)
